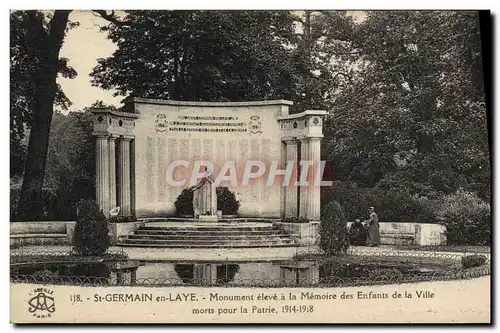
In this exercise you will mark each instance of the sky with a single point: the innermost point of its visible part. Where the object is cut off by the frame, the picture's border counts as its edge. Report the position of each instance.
(83, 46)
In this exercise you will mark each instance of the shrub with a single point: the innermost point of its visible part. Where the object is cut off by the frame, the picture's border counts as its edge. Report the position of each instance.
(394, 205)
(467, 218)
(474, 260)
(46, 275)
(334, 236)
(399, 205)
(295, 220)
(121, 219)
(354, 200)
(91, 230)
(226, 201)
(184, 202)
(53, 207)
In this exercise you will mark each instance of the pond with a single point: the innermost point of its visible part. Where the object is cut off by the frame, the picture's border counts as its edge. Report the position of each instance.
(268, 273)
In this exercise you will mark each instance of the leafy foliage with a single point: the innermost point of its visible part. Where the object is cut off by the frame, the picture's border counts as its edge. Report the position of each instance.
(51, 209)
(226, 201)
(71, 160)
(295, 220)
(91, 230)
(38, 38)
(199, 55)
(392, 205)
(23, 68)
(474, 260)
(414, 112)
(334, 236)
(121, 219)
(70, 171)
(184, 202)
(467, 218)
(404, 91)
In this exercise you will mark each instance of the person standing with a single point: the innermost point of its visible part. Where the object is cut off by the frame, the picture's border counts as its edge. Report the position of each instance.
(373, 238)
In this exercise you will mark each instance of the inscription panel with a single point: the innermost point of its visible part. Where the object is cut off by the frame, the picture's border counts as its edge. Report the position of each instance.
(255, 184)
(173, 156)
(243, 157)
(162, 169)
(208, 150)
(150, 158)
(265, 154)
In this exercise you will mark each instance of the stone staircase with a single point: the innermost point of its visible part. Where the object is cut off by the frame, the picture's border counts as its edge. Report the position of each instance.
(208, 235)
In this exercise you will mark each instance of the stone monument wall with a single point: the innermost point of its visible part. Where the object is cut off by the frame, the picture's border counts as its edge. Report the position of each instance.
(204, 131)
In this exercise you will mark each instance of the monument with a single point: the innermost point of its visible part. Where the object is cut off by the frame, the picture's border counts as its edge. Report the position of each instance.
(205, 199)
(138, 154)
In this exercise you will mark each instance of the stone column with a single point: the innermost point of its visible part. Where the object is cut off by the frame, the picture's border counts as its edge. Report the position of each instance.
(112, 172)
(282, 189)
(291, 189)
(133, 276)
(314, 205)
(119, 277)
(124, 175)
(102, 173)
(304, 189)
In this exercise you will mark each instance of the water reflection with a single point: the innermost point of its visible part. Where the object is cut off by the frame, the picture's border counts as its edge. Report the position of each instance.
(299, 273)
(206, 273)
(284, 272)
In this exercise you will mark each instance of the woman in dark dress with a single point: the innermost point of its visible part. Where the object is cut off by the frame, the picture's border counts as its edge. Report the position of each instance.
(357, 233)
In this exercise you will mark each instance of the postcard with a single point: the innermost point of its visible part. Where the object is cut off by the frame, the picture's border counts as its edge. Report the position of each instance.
(244, 166)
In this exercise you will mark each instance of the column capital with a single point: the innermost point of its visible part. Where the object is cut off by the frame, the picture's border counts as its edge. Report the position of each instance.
(127, 137)
(289, 140)
(113, 136)
(100, 134)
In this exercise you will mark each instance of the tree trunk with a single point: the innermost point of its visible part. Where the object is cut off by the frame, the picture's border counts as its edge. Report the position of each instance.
(45, 50)
(30, 204)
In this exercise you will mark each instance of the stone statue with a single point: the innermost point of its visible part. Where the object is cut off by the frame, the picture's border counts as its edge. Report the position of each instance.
(204, 198)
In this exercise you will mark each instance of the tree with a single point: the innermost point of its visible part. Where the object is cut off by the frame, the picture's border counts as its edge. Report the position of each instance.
(322, 56)
(22, 88)
(39, 38)
(200, 55)
(70, 169)
(414, 115)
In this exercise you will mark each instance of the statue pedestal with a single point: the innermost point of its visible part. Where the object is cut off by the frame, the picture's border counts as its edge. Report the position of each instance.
(207, 218)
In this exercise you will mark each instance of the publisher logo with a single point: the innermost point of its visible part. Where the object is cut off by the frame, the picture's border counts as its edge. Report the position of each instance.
(41, 303)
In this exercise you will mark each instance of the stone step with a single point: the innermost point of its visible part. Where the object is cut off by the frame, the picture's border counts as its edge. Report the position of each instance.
(192, 245)
(210, 237)
(206, 241)
(213, 228)
(234, 220)
(210, 232)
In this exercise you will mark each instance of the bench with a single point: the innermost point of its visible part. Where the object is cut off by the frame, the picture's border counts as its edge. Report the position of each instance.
(397, 238)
